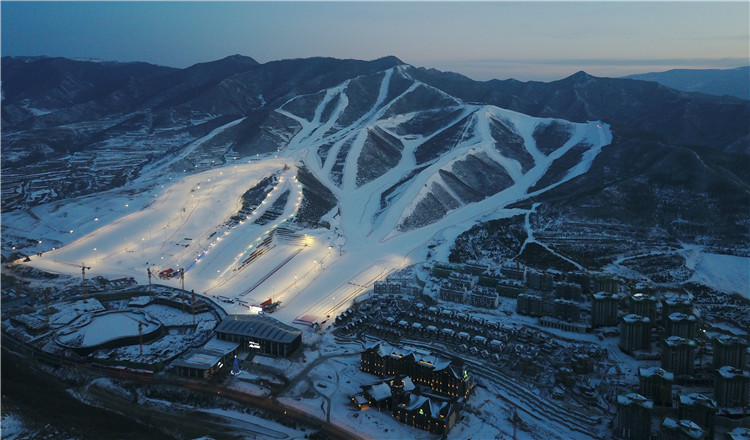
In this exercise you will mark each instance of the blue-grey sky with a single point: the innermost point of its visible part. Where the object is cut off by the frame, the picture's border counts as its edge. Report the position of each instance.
(483, 40)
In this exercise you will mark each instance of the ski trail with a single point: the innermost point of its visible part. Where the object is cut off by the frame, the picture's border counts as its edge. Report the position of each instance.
(187, 151)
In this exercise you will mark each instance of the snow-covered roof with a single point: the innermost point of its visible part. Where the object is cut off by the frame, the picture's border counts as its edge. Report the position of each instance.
(697, 399)
(635, 318)
(634, 399)
(380, 391)
(730, 372)
(258, 326)
(681, 317)
(729, 340)
(687, 427)
(679, 298)
(604, 295)
(676, 341)
(656, 371)
(638, 297)
(199, 359)
(217, 344)
(739, 433)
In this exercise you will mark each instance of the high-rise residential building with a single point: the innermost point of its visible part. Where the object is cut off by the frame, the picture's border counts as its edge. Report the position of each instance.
(606, 284)
(681, 324)
(633, 417)
(672, 429)
(635, 333)
(567, 290)
(656, 384)
(701, 410)
(644, 305)
(678, 355)
(604, 309)
(729, 350)
(528, 304)
(676, 303)
(732, 387)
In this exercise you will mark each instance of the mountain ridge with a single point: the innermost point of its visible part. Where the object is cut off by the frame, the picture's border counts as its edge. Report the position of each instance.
(366, 119)
(732, 82)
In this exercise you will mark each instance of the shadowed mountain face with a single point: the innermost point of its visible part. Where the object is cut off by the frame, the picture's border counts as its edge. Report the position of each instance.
(719, 82)
(415, 145)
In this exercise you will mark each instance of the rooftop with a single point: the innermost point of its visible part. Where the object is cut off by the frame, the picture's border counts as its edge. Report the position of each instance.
(634, 399)
(676, 341)
(681, 317)
(697, 399)
(258, 326)
(687, 427)
(656, 371)
(729, 372)
(635, 318)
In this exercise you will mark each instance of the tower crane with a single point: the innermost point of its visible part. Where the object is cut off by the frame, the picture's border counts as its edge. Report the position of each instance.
(182, 281)
(84, 268)
(150, 294)
(83, 279)
(140, 332)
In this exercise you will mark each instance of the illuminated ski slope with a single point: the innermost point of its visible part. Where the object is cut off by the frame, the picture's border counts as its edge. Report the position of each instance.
(187, 223)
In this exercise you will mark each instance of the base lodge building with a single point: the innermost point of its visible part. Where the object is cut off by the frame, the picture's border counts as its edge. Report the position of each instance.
(420, 390)
(439, 375)
(260, 334)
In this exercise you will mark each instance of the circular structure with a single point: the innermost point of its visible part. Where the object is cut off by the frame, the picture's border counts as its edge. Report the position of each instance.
(111, 329)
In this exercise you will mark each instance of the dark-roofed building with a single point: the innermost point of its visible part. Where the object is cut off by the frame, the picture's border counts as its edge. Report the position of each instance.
(644, 305)
(486, 297)
(633, 417)
(732, 387)
(260, 333)
(635, 333)
(656, 384)
(683, 325)
(440, 375)
(678, 355)
(729, 350)
(205, 361)
(672, 429)
(431, 413)
(603, 309)
(700, 409)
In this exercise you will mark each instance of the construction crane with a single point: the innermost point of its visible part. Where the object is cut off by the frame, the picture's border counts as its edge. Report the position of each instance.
(84, 268)
(140, 332)
(150, 294)
(192, 305)
(83, 279)
(182, 281)
(46, 303)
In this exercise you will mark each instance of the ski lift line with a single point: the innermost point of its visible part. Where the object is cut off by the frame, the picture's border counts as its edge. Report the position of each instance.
(245, 251)
(239, 260)
(272, 272)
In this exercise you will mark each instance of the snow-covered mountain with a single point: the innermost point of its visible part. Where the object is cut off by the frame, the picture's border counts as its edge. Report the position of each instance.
(385, 154)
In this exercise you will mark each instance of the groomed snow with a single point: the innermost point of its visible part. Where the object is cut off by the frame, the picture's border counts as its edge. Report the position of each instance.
(177, 221)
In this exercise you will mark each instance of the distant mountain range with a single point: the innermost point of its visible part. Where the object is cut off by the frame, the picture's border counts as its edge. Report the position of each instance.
(677, 169)
(731, 82)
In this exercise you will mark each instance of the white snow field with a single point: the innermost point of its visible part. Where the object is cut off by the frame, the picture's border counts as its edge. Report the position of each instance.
(173, 220)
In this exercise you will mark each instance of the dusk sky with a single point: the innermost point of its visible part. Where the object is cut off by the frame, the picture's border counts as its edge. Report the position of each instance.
(527, 41)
